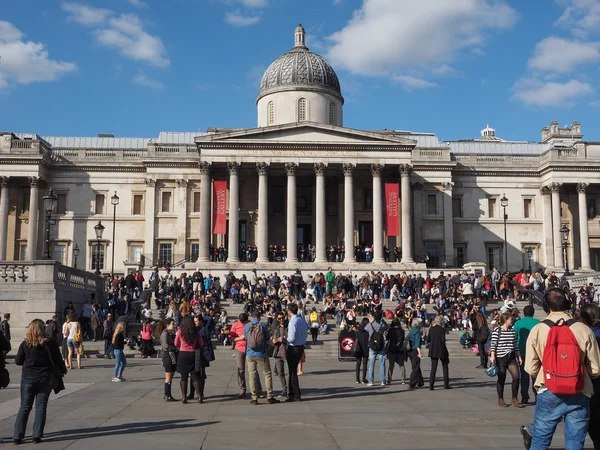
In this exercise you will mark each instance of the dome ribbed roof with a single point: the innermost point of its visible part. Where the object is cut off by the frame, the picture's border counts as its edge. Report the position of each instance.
(300, 69)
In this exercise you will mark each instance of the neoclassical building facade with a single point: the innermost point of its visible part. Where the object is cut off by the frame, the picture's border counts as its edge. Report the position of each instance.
(300, 177)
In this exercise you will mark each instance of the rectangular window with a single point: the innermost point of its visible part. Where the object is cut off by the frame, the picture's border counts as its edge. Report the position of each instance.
(459, 256)
(432, 204)
(529, 253)
(166, 201)
(22, 252)
(138, 204)
(97, 263)
(492, 208)
(99, 206)
(195, 252)
(527, 208)
(494, 256)
(196, 202)
(61, 204)
(457, 207)
(58, 253)
(135, 253)
(433, 253)
(165, 253)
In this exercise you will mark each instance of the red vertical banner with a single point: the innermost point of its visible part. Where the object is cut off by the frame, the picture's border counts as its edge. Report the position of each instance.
(392, 207)
(219, 207)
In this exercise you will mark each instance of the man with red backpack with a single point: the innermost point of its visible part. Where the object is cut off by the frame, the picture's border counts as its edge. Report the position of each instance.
(563, 357)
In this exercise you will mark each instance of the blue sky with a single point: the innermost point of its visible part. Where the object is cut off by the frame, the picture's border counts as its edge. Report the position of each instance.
(138, 67)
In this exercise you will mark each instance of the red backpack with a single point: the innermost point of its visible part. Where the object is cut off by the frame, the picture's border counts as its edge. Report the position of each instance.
(563, 366)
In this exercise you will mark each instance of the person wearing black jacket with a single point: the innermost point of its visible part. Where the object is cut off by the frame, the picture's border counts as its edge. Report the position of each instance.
(396, 353)
(438, 352)
(360, 351)
(481, 333)
(39, 355)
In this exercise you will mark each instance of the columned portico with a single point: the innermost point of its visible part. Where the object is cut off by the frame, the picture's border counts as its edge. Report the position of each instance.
(321, 244)
(583, 226)
(32, 229)
(234, 212)
(291, 219)
(348, 211)
(4, 194)
(263, 212)
(205, 215)
(406, 209)
(377, 214)
(556, 222)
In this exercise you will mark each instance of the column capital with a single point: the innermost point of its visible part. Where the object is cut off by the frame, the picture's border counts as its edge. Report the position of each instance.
(34, 181)
(4, 181)
(320, 168)
(150, 182)
(376, 169)
(262, 168)
(417, 184)
(205, 167)
(581, 187)
(405, 169)
(348, 169)
(544, 190)
(290, 168)
(233, 167)
(554, 187)
(181, 182)
(447, 185)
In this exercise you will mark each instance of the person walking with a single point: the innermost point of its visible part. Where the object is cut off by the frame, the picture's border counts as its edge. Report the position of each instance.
(238, 338)
(590, 314)
(376, 329)
(166, 333)
(5, 329)
(188, 340)
(118, 343)
(481, 331)
(74, 339)
(438, 352)
(552, 408)
(107, 333)
(505, 354)
(414, 335)
(360, 350)
(279, 339)
(296, 338)
(395, 350)
(314, 324)
(41, 360)
(522, 329)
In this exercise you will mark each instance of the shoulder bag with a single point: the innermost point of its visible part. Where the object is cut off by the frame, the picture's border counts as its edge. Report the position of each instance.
(58, 384)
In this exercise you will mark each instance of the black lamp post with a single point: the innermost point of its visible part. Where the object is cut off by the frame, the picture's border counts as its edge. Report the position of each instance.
(114, 200)
(50, 202)
(504, 204)
(529, 252)
(99, 229)
(75, 254)
(564, 232)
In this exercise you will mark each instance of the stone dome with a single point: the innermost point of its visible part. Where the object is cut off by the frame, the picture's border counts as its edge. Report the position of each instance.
(300, 70)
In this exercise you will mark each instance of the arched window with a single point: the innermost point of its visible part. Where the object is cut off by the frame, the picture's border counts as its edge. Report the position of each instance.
(302, 110)
(332, 113)
(270, 113)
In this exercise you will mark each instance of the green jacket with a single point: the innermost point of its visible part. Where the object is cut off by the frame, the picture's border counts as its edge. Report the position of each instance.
(522, 328)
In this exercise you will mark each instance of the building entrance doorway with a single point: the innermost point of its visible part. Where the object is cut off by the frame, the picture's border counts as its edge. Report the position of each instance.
(365, 232)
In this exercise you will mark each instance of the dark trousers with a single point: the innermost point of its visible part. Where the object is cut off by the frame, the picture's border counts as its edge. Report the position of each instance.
(594, 426)
(434, 364)
(364, 360)
(33, 389)
(293, 356)
(416, 377)
(526, 379)
(483, 357)
(314, 332)
(108, 348)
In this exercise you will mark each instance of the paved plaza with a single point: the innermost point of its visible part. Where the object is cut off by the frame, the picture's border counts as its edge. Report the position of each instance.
(94, 413)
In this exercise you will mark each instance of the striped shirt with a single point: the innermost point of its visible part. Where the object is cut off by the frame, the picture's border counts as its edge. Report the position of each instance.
(504, 342)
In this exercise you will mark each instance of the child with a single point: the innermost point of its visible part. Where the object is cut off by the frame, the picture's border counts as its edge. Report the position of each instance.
(464, 337)
(224, 334)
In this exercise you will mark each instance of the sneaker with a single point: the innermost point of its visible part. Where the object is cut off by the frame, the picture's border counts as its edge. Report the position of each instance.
(526, 437)
(358, 382)
(116, 380)
(122, 379)
(370, 384)
(383, 384)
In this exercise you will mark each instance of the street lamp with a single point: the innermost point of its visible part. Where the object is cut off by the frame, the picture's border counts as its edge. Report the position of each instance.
(564, 232)
(504, 204)
(75, 254)
(114, 200)
(529, 252)
(99, 229)
(50, 202)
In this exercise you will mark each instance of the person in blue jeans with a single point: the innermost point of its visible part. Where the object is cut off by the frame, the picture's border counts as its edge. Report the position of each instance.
(377, 325)
(118, 342)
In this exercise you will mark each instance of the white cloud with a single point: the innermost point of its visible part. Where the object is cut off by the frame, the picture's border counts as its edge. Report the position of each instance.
(25, 62)
(387, 36)
(237, 19)
(410, 83)
(253, 3)
(138, 3)
(86, 15)
(143, 80)
(125, 33)
(538, 93)
(580, 16)
(555, 54)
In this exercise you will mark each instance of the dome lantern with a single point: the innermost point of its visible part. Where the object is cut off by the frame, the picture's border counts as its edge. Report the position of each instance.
(300, 37)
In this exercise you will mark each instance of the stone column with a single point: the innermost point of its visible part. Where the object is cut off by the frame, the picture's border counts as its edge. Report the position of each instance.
(263, 212)
(321, 219)
(4, 194)
(405, 198)
(556, 223)
(348, 211)
(548, 238)
(181, 210)
(149, 218)
(584, 236)
(448, 224)
(233, 246)
(32, 229)
(377, 214)
(205, 213)
(418, 249)
(291, 222)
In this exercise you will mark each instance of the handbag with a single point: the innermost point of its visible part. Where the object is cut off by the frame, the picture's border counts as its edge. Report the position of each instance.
(80, 350)
(492, 371)
(173, 357)
(59, 385)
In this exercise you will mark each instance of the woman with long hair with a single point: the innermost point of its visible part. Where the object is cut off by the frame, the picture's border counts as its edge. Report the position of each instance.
(360, 351)
(65, 335)
(73, 329)
(188, 339)
(41, 360)
(165, 331)
(505, 354)
(173, 313)
(147, 341)
(118, 342)
(590, 314)
(482, 333)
